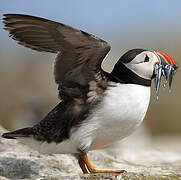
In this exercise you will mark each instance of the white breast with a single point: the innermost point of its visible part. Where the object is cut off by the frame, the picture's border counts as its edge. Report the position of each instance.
(118, 115)
(121, 112)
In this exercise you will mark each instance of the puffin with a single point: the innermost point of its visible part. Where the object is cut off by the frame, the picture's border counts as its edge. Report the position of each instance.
(96, 108)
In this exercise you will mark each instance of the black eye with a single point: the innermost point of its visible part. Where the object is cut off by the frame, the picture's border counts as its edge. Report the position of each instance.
(146, 59)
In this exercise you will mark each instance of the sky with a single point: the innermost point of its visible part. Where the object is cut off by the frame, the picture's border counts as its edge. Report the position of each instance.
(102, 17)
(152, 25)
(124, 24)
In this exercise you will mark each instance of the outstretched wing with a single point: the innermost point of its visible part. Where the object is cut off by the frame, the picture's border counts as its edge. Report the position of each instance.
(79, 54)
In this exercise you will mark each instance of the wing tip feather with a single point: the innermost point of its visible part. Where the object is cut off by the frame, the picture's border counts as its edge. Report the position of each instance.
(25, 132)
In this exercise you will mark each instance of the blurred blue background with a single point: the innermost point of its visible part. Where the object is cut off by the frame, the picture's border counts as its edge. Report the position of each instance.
(27, 87)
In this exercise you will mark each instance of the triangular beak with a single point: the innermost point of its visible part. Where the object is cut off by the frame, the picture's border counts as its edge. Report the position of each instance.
(167, 59)
(166, 67)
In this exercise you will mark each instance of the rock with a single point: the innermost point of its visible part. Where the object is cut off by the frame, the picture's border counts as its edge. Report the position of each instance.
(19, 162)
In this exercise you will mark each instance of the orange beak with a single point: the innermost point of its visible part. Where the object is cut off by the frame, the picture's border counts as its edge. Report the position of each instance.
(166, 67)
(167, 59)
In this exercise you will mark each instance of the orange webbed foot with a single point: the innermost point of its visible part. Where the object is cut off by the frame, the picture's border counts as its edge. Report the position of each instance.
(88, 168)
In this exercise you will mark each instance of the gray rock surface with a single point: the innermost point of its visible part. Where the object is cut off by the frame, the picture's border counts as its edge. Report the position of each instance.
(140, 160)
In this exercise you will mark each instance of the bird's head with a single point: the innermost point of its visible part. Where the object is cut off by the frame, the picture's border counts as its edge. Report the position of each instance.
(150, 65)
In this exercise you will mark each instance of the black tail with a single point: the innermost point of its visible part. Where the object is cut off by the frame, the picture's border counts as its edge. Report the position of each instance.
(25, 132)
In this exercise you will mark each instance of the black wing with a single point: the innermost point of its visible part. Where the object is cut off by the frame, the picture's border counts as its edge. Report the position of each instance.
(79, 54)
(78, 65)
(56, 125)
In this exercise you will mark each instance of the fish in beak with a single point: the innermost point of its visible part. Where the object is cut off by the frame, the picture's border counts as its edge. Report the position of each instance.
(165, 67)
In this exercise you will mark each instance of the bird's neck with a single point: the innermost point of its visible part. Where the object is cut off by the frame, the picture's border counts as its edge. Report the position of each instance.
(124, 75)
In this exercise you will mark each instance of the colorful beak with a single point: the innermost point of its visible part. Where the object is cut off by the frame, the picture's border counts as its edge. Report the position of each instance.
(166, 67)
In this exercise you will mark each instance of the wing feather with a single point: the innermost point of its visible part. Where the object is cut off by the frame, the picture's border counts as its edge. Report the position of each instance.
(79, 54)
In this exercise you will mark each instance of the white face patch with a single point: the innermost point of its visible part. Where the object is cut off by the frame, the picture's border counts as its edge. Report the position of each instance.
(143, 64)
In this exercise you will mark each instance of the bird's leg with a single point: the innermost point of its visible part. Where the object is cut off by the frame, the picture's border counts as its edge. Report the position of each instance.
(86, 165)
(83, 166)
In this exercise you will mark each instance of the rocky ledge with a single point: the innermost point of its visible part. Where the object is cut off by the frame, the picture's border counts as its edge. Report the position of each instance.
(140, 162)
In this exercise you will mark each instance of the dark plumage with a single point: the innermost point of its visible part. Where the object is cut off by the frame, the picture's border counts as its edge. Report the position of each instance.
(77, 71)
(127, 76)
(130, 55)
(96, 108)
(81, 53)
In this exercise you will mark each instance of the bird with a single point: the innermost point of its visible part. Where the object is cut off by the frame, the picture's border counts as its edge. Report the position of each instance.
(96, 107)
